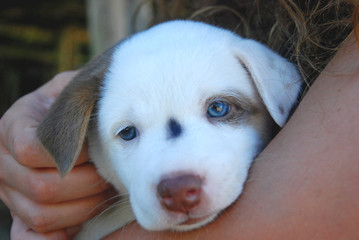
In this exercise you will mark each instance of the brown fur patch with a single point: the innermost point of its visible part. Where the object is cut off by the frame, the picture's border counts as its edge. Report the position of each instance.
(64, 128)
(240, 108)
(245, 111)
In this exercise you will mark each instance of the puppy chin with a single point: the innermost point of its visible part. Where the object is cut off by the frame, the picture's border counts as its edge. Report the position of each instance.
(179, 222)
(194, 223)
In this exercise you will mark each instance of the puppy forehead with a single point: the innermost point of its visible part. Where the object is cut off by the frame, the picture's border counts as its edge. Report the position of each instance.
(177, 67)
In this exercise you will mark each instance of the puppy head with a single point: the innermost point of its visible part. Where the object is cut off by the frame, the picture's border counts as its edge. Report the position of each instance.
(183, 110)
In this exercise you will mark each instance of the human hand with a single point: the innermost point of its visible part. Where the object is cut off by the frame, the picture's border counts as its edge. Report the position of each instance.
(44, 205)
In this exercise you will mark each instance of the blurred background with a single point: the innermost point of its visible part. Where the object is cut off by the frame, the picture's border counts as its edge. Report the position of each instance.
(40, 38)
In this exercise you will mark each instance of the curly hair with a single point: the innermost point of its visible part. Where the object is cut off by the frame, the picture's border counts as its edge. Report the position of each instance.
(306, 32)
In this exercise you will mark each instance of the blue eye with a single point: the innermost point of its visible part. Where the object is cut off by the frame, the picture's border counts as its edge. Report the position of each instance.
(128, 133)
(218, 109)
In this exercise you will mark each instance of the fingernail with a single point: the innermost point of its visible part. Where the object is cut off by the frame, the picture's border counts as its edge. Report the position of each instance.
(72, 231)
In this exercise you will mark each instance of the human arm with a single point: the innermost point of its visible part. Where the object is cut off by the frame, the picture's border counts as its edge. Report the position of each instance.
(43, 205)
(304, 185)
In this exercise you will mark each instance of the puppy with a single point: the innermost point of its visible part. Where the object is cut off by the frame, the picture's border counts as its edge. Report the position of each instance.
(173, 117)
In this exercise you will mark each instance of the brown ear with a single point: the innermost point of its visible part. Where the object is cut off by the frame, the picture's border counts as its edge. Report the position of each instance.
(64, 128)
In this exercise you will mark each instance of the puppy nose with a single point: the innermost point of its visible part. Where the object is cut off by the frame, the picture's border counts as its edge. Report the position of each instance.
(180, 194)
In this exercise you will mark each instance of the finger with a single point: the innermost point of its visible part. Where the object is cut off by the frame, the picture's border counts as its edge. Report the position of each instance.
(18, 134)
(18, 125)
(49, 217)
(46, 185)
(20, 231)
(53, 87)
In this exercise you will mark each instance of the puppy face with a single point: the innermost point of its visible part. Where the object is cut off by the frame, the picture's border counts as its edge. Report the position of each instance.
(204, 119)
(179, 107)
(182, 111)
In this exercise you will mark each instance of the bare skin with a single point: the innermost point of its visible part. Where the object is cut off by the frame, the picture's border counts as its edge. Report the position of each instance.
(305, 184)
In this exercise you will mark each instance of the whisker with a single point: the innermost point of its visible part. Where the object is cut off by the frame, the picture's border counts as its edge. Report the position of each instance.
(120, 205)
(121, 197)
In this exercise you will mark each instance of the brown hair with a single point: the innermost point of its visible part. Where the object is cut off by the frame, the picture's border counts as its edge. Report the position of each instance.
(306, 32)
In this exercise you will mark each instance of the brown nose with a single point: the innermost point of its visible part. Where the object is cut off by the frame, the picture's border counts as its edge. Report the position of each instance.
(180, 194)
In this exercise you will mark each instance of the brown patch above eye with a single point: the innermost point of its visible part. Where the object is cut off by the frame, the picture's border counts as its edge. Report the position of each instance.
(241, 109)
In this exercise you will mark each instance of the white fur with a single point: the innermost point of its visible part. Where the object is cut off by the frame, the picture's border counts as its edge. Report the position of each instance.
(170, 71)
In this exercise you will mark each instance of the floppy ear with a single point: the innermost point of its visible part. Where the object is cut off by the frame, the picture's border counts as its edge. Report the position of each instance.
(64, 128)
(276, 79)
